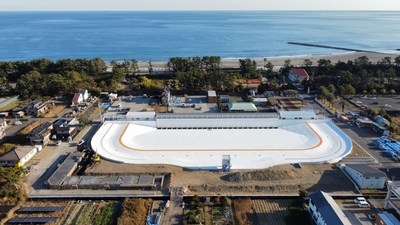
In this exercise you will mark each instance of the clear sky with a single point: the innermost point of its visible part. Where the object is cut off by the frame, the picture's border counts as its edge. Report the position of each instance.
(22, 5)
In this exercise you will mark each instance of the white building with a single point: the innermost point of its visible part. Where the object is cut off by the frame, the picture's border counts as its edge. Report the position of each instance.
(84, 93)
(324, 210)
(365, 176)
(201, 141)
(77, 99)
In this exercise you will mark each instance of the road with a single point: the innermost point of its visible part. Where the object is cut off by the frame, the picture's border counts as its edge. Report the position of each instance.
(174, 214)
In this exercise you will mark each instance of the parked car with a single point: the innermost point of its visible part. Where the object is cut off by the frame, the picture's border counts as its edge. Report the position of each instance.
(359, 199)
(363, 204)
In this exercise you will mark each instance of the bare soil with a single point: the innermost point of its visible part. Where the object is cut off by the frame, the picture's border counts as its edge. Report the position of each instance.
(283, 179)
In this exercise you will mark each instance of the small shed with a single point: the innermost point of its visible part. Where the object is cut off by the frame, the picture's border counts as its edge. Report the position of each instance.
(242, 107)
(260, 101)
(272, 101)
(224, 98)
(366, 177)
(212, 96)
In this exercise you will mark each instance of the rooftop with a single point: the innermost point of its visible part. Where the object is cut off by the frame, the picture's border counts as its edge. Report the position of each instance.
(366, 170)
(328, 209)
(41, 128)
(17, 153)
(300, 72)
(242, 106)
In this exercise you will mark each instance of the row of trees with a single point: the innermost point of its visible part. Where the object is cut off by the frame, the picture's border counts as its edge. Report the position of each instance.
(361, 73)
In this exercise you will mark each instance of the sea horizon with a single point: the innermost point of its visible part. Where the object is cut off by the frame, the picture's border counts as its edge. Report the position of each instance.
(161, 34)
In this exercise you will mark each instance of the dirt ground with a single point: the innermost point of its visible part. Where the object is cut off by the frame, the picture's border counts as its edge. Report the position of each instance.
(283, 179)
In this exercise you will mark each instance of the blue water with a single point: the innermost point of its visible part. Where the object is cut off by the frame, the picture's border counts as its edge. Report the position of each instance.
(161, 35)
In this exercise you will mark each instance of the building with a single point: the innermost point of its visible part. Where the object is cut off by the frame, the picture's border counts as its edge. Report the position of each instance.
(386, 219)
(66, 127)
(37, 107)
(365, 176)
(19, 156)
(18, 114)
(40, 135)
(3, 114)
(224, 98)
(393, 196)
(77, 99)
(298, 75)
(242, 107)
(297, 115)
(211, 96)
(84, 93)
(324, 210)
(206, 140)
(260, 101)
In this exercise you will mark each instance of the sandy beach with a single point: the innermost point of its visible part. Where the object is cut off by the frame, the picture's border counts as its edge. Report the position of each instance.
(295, 60)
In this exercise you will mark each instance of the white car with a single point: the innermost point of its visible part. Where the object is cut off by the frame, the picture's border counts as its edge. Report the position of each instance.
(363, 204)
(359, 199)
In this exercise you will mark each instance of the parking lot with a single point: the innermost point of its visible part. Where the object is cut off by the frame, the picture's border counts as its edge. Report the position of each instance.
(388, 103)
(356, 215)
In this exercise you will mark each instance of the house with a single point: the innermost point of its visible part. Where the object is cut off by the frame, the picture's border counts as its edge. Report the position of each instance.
(165, 96)
(324, 210)
(386, 219)
(211, 96)
(18, 156)
(41, 134)
(77, 99)
(37, 107)
(66, 127)
(298, 75)
(365, 176)
(84, 93)
(242, 107)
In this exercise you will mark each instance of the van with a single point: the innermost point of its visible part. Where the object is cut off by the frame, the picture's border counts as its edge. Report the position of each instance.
(363, 204)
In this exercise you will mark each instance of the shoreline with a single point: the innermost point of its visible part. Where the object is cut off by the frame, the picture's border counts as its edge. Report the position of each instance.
(296, 60)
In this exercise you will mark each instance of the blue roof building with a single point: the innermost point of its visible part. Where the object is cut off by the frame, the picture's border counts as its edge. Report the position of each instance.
(324, 210)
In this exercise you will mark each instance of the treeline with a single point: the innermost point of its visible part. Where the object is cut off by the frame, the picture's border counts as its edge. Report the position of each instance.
(196, 74)
(43, 77)
(360, 76)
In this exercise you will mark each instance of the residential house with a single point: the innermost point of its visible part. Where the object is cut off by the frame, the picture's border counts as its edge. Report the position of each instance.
(66, 127)
(298, 75)
(365, 176)
(242, 107)
(84, 93)
(325, 211)
(37, 107)
(211, 96)
(40, 135)
(19, 156)
(77, 99)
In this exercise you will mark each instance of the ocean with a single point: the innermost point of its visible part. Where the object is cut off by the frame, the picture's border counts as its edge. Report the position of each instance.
(159, 35)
